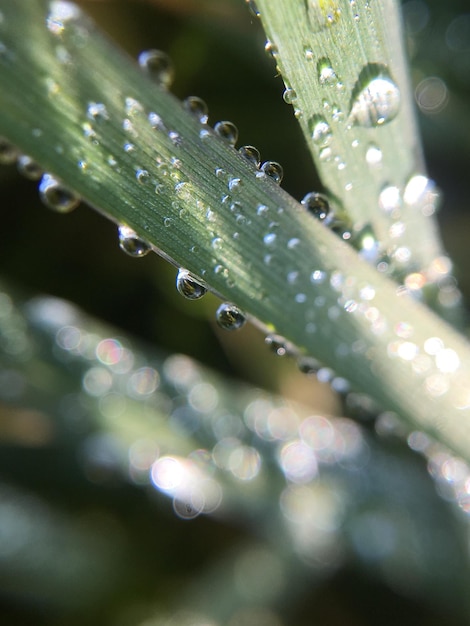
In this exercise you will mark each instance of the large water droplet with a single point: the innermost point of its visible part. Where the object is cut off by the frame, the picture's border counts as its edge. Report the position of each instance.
(250, 153)
(320, 131)
(227, 131)
(317, 204)
(57, 197)
(158, 66)
(230, 317)
(29, 168)
(131, 243)
(375, 99)
(189, 286)
(273, 170)
(197, 107)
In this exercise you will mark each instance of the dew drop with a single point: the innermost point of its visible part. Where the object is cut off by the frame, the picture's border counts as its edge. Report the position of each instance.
(389, 199)
(270, 48)
(317, 205)
(326, 74)
(97, 111)
(197, 107)
(227, 131)
(376, 98)
(142, 175)
(189, 286)
(277, 344)
(269, 239)
(61, 12)
(8, 152)
(131, 243)
(230, 317)
(308, 365)
(235, 184)
(55, 196)
(373, 155)
(251, 154)
(273, 170)
(320, 131)
(253, 8)
(158, 66)
(309, 54)
(29, 168)
(289, 95)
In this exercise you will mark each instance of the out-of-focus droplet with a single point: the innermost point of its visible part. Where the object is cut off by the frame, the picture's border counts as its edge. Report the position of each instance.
(373, 155)
(253, 8)
(8, 152)
(158, 66)
(189, 286)
(29, 168)
(317, 205)
(227, 131)
(277, 344)
(376, 98)
(230, 317)
(326, 73)
(197, 107)
(131, 243)
(57, 197)
(273, 170)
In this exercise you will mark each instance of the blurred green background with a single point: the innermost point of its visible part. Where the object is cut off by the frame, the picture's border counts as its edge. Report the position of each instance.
(131, 556)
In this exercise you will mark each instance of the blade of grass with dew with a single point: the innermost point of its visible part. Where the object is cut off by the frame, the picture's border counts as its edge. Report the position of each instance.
(82, 109)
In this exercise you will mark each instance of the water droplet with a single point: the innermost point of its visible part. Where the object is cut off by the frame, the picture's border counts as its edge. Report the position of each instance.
(142, 175)
(269, 239)
(158, 66)
(61, 12)
(230, 317)
(227, 131)
(197, 107)
(29, 168)
(97, 111)
(55, 196)
(308, 365)
(309, 54)
(326, 74)
(189, 286)
(156, 121)
(234, 184)
(262, 209)
(131, 243)
(317, 204)
(250, 153)
(320, 131)
(389, 199)
(270, 48)
(289, 95)
(8, 152)
(273, 170)
(277, 344)
(373, 155)
(376, 98)
(421, 192)
(253, 8)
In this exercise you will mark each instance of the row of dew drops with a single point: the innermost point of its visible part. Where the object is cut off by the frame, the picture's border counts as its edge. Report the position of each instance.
(157, 65)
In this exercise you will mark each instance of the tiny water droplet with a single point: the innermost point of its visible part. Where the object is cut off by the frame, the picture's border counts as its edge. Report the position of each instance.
(253, 8)
(61, 12)
(250, 153)
(320, 131)
(376, 98)
(158, 66)
(227, 131)
(156, 121)
(131, 243)
(189, 286)
(273, 170)
(309, 54)
(269, 239)
(97, 111)
(308, 365)
(277, 344)
(142, 175)
(326, 74)
(421, 192)
(262, 209)
(270, 48)
(289, 95)
(389, 199)
(230, 317)
(55, 196)
(28, 168)
(317, 205)
(197, 107)
(217, 243)
(8, 152)
(235, 184)
(373, 155)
